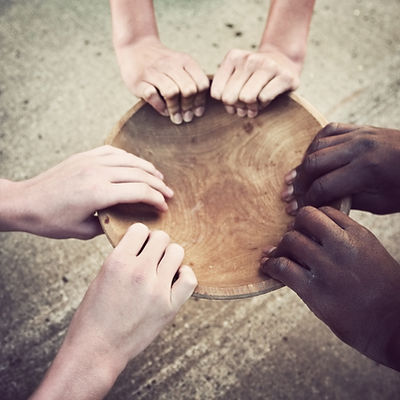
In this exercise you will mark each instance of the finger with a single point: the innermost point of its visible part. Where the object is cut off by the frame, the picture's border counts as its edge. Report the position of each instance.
(252, 110)
(170, 93)
(299, 248)
(151, 95)
(323, 161)
(335, 185)
(155, 247)
(335, 128)
(130, 175)
(233, 87)
(187, 88)
(221, 78)
(131, 193)
(320, 143)
(338, 217)
(252, 88)
(202, 83)
(133, 240)
(274, 88)
(170, 262)
(289, 273)
(125, 159)
(183, 287)
(317, 225)
(199, 103)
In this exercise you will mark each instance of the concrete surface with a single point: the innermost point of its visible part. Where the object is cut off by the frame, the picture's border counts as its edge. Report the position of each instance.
(60, 93)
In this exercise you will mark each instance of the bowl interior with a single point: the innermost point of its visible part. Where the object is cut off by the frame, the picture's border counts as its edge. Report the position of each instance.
(227, 173)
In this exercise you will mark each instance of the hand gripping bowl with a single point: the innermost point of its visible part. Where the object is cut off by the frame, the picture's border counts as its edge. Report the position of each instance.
(227, 174)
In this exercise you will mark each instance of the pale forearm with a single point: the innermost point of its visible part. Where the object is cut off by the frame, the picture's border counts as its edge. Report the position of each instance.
(287, 27)
(132, 20)
(15, 214)
(77, 374)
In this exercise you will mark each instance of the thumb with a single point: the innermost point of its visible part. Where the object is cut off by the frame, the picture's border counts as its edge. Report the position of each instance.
(183, 287)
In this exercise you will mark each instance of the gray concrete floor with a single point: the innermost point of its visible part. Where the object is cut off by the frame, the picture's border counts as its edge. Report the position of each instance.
(61, 93)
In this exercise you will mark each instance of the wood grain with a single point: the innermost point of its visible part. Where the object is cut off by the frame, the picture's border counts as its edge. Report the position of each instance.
(227, 174)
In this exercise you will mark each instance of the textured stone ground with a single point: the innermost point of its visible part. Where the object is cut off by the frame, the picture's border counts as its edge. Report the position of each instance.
(60, 93)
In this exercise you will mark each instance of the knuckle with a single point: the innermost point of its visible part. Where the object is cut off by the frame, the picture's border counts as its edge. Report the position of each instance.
(367, 142)
(169, 92)
(330, 128)
(310, 163)
(236, 54)
(189, 90)
(305, 213)
(228, 99)
(248, 98)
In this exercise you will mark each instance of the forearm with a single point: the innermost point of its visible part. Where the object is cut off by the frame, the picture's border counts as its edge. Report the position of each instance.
(287, 27)
(14, 207)
(77, 374)
(132, 20)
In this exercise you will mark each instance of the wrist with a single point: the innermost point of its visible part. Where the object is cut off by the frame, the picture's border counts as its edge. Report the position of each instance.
(142, 39)
(296, 54)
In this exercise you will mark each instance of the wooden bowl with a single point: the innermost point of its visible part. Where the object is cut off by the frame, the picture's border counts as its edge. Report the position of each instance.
(227, 174)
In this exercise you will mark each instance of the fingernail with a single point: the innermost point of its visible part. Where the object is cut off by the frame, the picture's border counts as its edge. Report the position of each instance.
(271, 250)
(290, 176)
(287, 194)
(241, 112)
(165, 113)
(199, 111)
(176, 118)
(252, 113)
(263, 260)
(188, 116)
(230, 109)
(292, 208)
(165, 207)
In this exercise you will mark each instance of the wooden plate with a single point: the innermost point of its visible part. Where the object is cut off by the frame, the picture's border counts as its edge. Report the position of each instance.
(227, 173)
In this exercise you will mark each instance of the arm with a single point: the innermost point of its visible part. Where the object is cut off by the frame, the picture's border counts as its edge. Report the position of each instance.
(127, 305)
(248, 81)
(61, 202)
(348, 160)
(171, 82)
(346, 278)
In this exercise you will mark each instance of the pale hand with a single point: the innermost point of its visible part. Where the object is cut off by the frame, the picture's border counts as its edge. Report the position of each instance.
(61, 202)
(246, 82)
(127, 305)
(170, 81)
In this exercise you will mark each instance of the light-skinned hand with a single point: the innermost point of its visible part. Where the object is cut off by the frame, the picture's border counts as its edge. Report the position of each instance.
(247, 82)
(133, 297)
(61, 202)
(170, 81)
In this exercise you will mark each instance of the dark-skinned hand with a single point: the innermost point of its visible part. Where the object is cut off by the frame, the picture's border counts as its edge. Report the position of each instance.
(348, 160)
(346, 277)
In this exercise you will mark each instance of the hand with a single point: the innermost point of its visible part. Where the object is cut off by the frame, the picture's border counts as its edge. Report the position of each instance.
(246, 82)
(346, 278)
(348, 160)
(61, 202)
(131, 300)
(171, 82)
